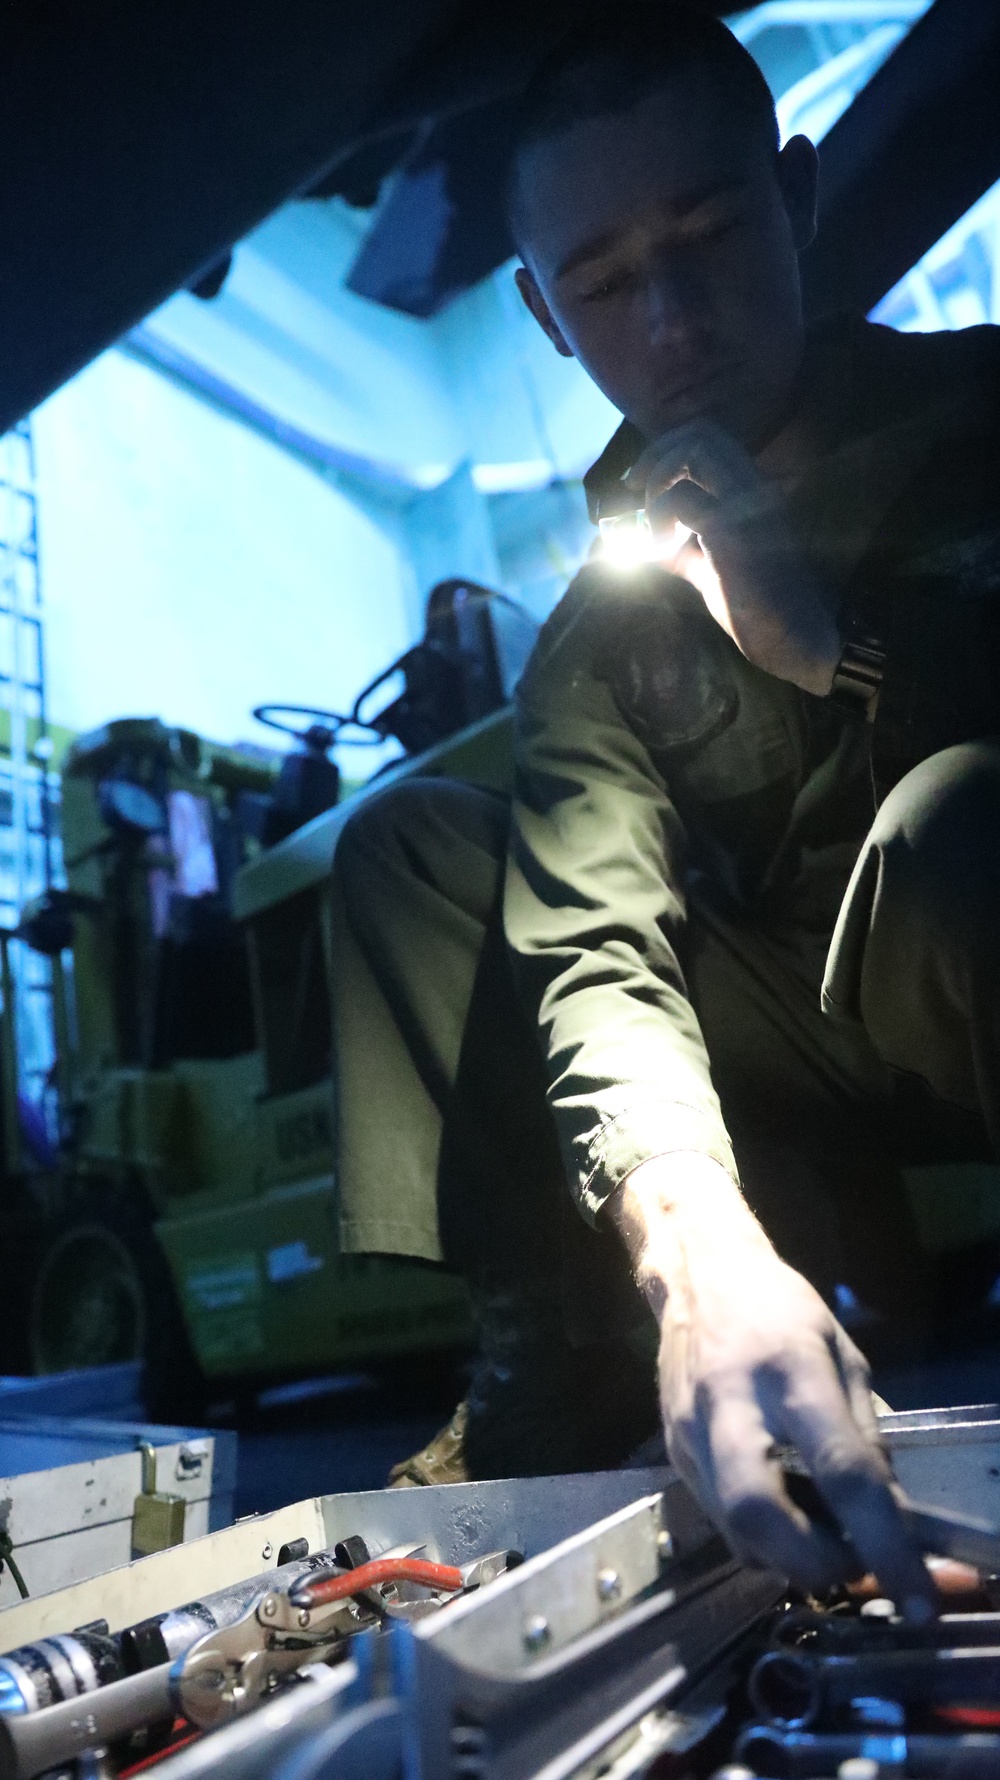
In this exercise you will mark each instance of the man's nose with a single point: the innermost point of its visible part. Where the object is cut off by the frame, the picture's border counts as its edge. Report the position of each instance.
(675, 306)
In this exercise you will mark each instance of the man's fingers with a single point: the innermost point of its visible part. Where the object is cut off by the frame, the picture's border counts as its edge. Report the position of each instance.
(666, 461)
(764, 1522)
(700, 452)
(684, 501)
(853, 1477)
(751, 1505)
(853, 1368)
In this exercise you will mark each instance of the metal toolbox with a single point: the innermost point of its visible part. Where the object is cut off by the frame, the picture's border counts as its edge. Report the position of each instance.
(459, 1521)
(68, 1491)
(617, 1642)
(572, 1531)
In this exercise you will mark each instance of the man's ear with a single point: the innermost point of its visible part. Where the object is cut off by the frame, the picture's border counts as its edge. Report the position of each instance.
(798, 177)
(532, 299)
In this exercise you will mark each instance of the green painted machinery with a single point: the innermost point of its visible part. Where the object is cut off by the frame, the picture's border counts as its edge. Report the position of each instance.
(191, 1217)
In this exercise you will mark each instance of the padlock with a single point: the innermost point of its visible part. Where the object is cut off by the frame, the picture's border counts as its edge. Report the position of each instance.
(157, 1518)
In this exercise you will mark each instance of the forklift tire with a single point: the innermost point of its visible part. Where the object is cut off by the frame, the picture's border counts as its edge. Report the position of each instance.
(102, 1294)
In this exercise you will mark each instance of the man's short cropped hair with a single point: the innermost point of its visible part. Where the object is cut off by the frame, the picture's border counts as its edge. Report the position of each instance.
(618, 54)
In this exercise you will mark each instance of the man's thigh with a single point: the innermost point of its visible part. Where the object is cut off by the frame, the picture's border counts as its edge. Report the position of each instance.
(420, 869)
(772, 1048)
(809, 1107)
(416, 877)
(420, 851)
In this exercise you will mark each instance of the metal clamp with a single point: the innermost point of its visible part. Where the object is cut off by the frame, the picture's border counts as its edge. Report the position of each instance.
(229, 1670)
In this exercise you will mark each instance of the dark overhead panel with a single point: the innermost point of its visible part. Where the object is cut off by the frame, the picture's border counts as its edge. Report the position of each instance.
(919, 145)
(358, 177)
(139, 142)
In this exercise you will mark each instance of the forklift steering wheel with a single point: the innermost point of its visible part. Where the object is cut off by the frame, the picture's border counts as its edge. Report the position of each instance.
(321, 734)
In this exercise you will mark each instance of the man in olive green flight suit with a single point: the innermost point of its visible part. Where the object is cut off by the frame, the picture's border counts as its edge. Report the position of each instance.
(742, 958)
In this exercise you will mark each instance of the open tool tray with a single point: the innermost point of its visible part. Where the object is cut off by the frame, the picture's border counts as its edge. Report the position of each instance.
(65, 1707)
(534, 1674)
(628, 1642)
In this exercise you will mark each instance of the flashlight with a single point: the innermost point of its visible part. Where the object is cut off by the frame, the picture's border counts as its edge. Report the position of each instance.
(627, 539)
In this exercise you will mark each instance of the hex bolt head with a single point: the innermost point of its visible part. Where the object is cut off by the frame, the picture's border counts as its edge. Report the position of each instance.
(609, 1585)
(536, 1634)
(269, 1607)
(268, 1552)
(304, 1617)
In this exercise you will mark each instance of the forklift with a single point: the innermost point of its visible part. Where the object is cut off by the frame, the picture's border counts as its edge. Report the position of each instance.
(187, 1217)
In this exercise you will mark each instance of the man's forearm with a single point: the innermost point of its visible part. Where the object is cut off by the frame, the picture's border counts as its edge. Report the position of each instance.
(676, 1211)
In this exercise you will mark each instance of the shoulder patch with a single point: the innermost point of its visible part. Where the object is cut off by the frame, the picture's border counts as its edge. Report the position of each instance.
(665, 660)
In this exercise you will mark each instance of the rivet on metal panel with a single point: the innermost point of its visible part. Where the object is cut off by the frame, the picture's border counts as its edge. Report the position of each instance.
(664, 1545)
(268, 1607)
(268, 1552)
(609, 1585)
(304, 1617)
(536, 1634)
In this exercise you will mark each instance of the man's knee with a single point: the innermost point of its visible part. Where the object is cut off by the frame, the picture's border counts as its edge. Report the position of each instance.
(937, 837)
(437, 832)
(381, 830)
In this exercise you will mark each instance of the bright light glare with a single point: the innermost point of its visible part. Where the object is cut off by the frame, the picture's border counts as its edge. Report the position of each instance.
(628, 541)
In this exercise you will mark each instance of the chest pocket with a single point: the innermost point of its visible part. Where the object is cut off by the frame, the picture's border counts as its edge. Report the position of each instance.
(665, 661)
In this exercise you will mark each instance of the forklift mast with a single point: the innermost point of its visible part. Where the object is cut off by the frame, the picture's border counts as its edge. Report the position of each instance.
(156, 824)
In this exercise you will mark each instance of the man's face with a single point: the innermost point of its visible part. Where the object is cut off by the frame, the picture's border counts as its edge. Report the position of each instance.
(660, 249)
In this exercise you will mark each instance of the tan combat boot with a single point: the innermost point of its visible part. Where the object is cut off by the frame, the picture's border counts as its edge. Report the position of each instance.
(442, 1460)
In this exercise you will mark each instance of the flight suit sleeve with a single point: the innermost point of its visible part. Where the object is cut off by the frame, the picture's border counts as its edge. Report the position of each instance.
(594, 914)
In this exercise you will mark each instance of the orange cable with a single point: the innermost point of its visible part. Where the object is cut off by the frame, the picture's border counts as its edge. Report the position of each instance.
(354, 1582)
